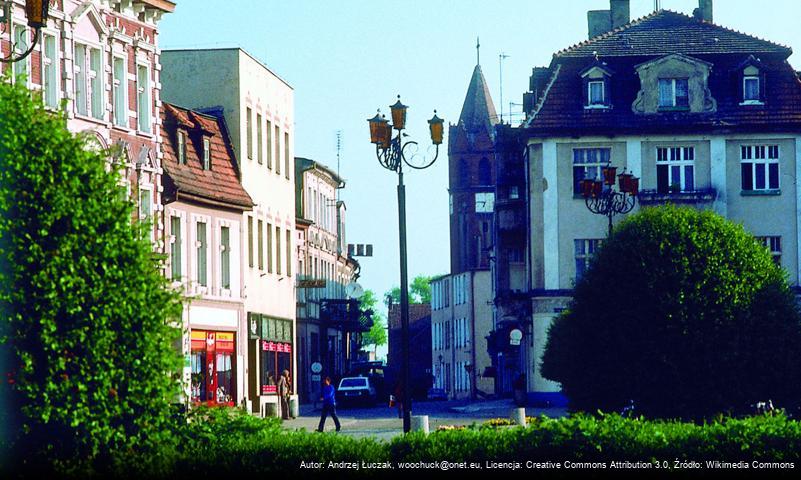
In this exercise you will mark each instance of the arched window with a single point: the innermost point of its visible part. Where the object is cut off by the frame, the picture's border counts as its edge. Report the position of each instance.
(484, 172)
(464, 173)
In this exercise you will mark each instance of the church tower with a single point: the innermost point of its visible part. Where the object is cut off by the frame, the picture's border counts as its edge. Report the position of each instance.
(471, 164)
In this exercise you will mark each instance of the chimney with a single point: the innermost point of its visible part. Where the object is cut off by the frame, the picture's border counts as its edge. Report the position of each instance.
(705, 10)
(598, 22)
(621, 13)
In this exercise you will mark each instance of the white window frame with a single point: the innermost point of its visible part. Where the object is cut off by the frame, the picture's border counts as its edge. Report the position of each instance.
(774, 245)
(81, 82)
(144, 187)
(678, 160)
(589, 246)
(206, 153)
(758, 99)
(51, 90)
(673, 96)
(22, 67)
(181, 246)
(590, 102)
(181, 140)
(198, 219)
(763, 155)
(121, 116)
(144, 116)
(589, 166)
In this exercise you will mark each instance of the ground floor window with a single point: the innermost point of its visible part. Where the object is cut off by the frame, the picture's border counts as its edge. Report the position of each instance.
(213, 367)
(275, 358)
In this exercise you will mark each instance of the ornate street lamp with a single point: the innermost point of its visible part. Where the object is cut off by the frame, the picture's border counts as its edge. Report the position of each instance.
(392, 154)
(37, 13)
(602, 199)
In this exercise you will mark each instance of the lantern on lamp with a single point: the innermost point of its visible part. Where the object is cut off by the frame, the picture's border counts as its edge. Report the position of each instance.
(609, 174)
(37, 12)
(437, 128)
(398, 114)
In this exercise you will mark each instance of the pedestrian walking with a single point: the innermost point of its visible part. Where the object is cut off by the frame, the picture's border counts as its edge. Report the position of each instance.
(398, 394)
(284, 391)
(329, 400)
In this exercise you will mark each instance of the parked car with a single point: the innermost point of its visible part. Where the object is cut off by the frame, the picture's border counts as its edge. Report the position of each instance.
(356, 390)
(437, 394)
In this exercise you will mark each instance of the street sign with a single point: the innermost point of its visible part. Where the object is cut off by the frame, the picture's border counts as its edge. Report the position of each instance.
(515, 336)
(316, 367)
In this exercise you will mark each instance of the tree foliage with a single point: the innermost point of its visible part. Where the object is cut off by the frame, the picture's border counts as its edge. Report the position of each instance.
(683, 312)
(84, 309)
(377, 335)
(419, 291)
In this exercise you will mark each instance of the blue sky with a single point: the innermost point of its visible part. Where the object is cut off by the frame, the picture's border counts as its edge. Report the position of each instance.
(345, 58)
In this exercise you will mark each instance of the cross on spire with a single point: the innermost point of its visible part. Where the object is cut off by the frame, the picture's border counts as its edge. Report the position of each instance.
(478, 52)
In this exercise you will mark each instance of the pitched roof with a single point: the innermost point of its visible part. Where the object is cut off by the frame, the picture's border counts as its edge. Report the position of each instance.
(560, 109)
(664, 32)
(478, 111)
(218, 186)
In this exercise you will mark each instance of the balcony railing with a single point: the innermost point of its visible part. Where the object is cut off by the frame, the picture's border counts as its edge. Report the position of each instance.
(653, 197)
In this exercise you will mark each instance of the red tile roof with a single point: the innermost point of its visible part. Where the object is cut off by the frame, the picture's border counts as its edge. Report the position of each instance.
(218, 186)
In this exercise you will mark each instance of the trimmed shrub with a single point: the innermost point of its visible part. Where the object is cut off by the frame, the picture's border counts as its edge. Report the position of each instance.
(85, 338)
(682, 312)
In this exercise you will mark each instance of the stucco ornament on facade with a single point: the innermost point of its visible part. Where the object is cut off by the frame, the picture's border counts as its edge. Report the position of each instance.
(674, 66)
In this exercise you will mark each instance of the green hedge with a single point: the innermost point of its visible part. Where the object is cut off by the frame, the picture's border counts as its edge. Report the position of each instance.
(220, 442)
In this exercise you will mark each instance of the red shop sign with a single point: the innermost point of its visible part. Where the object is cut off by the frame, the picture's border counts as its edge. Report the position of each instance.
(267, 389)
(276, 347)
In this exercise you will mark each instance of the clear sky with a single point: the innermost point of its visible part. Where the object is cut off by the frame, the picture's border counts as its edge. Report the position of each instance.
(345, 58)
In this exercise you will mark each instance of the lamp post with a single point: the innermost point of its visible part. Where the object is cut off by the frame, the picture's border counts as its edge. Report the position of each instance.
(602, 199)
(392, 155)
(37, 12)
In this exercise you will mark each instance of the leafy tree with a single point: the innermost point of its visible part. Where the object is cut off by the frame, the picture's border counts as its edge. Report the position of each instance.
(377, 335)
(84, 309)
(683, 312)
(419, 291)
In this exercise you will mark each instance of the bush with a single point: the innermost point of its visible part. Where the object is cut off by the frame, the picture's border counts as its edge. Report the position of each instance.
(682, 312)
(87, 348)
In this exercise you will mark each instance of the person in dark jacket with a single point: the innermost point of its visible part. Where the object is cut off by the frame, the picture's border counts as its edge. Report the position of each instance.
(329, 400)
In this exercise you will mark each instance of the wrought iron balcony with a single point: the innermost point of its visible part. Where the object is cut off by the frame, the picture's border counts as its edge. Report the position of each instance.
(654, 197)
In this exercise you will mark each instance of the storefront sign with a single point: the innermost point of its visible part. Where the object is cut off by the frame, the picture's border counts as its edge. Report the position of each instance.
(311, 283)
(269, 389)
(276, 347)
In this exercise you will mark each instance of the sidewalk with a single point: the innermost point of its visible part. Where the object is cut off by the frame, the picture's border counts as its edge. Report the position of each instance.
(502, 408)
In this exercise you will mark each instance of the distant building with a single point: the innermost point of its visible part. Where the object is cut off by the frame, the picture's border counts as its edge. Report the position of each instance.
(101, 59)
(420, 373)
(204, 203)
(461, 317)
(258, 108)
(704, 115)
(328, 328)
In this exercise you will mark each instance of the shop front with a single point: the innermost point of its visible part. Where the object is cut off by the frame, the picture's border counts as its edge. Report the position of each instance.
(213, 367)
(271, 351)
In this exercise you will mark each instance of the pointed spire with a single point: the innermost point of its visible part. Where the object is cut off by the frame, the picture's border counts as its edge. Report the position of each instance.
(478, 111)
(478, 52)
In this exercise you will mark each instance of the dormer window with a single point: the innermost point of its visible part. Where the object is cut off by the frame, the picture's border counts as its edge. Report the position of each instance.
(181, 147)
(596, 86)
(206, 153)
(674, 93)
(753, 84)
(595, 93)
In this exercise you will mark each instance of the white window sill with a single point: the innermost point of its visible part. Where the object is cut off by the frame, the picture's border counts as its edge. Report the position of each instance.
(597, 107)
(149, 135)
(122, 128)
(89, 118)
(751, 102)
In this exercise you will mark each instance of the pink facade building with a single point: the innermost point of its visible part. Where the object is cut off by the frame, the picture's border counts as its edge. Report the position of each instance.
(98, 61)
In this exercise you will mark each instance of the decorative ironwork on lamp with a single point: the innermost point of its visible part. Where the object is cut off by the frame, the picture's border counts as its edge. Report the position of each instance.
(37, 12)
(602, 199)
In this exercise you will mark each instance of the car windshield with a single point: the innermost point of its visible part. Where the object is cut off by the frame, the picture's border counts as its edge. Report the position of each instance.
(353, 382)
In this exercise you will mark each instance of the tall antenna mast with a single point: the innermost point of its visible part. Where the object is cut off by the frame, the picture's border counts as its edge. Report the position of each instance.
(501, 57)
(657, 5)
(339, 149)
